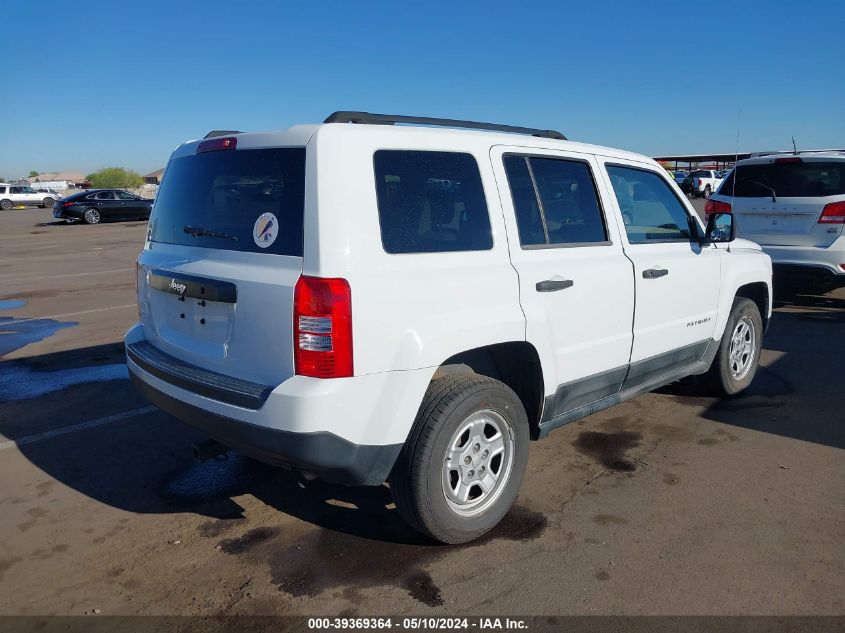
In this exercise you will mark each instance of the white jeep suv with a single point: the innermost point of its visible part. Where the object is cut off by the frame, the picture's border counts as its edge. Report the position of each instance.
(21, 195)
(794, 207)
(363, 301)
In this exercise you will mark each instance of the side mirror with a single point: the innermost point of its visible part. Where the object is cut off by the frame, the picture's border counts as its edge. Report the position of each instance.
(720, 229)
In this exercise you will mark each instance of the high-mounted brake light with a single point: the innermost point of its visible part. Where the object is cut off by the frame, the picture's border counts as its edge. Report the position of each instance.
(715, 206)
(322, 327)
(215, 144)
(833, 213)
(788, 161)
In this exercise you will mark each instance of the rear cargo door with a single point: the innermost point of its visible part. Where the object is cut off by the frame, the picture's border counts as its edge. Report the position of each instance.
(224, 253)
(780, 203)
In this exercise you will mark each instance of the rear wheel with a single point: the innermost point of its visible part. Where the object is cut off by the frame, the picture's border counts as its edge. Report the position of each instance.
(5, 204)
(48, 203)
(736, 362)
(461, 467)
(91, 216)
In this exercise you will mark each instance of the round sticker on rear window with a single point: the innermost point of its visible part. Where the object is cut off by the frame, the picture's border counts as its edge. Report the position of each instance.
(266, 230)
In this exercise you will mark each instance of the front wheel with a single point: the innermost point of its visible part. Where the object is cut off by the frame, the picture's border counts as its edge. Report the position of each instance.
(48, 203)
(91, 216)
(736, 362)
(5, 205)
(461, 467)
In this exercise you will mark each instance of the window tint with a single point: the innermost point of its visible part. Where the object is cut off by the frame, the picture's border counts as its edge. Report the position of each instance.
(430, 202)
(2, 189)
(562, 208)
(15, 189)
(227, 192)
(124, 195)
(528, 218)
(569, 201)
(91, 196)
(789, 180)
(650, 210)
(105, 195)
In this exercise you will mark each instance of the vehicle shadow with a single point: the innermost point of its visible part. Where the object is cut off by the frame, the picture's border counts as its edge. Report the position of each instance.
(796, 395)
(143, 463)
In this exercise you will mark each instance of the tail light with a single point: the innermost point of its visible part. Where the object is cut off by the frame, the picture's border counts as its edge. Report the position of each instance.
(833, 213)
(714, 206)
(322, 327)
(69, 203)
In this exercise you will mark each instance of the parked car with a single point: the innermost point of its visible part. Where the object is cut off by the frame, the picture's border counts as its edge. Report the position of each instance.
(439, 297)
(794, 207)
(20, 195)
(701, 182)
(95, 205)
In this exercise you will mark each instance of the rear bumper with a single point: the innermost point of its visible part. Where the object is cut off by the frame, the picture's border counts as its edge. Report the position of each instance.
(329, 456)
(816, 261)
(346, 430)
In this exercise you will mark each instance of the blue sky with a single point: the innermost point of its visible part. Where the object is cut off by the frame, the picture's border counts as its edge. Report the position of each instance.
(116, 83)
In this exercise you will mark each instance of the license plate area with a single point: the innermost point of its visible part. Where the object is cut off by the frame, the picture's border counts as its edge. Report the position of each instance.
(773, 223)
(193, 313)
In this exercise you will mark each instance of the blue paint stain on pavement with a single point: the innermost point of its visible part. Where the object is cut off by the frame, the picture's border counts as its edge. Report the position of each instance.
(16, 333)
(11, 304)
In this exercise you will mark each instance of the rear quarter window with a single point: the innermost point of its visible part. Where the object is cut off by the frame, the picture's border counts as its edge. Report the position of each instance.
(430, 202)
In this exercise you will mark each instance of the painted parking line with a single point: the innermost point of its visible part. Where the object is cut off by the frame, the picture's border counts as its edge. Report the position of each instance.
(48, 435)
(18, 277)
(70, 314)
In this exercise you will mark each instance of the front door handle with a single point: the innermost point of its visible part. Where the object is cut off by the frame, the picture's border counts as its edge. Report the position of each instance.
(654, 273)
(552, 285)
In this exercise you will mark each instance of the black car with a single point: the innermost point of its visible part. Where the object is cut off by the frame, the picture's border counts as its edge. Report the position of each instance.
(95, 205)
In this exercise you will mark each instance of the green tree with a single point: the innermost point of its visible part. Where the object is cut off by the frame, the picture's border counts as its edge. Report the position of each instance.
(33, 173)
(118, 177)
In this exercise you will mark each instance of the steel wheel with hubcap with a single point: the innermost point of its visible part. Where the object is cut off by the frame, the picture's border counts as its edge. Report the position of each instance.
(5, 204)
(460, 469)
(736, 361)
(91, 216)
(478, 462)
(48, 203)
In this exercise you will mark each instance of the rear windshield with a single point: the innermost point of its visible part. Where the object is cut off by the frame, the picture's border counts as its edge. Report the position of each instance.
(242, 200)
(788, 180)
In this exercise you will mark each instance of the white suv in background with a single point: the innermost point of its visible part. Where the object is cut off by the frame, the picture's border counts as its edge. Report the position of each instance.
(364, 301)
(21, 195)
(793, 205)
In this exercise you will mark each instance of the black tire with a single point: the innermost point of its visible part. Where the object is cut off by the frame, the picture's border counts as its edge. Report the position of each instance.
(91, 216)
(48, 203)
(416, 482)
(720, 378)
(707, 191)
(5, 205)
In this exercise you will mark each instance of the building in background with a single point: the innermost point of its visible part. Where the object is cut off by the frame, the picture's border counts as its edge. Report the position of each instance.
(154, 177)
(58, 180)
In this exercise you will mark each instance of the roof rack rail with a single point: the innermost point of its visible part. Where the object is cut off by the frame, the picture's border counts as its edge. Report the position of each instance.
(789, 152)
(214, 133)
(392, 119)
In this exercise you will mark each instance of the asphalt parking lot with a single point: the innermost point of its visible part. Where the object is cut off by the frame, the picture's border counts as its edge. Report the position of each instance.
(668, 504)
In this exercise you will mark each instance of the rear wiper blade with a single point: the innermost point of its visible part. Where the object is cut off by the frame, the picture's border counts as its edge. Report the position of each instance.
(760, 184)
(198, 231)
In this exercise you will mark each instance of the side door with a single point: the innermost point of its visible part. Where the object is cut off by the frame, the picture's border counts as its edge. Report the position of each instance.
(677, 280)
(575, 283)
(130, 206)
(107, 204)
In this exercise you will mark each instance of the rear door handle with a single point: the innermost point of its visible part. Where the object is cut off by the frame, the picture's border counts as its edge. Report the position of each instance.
(654, 273)
(552, 285)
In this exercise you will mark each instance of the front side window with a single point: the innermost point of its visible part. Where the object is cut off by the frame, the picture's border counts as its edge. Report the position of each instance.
(430, 202)
(555, 201)
(650, 210)
(15, 189)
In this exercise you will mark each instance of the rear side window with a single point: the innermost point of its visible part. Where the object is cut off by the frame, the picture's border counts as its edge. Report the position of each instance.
(430, 202)
(788, 180)
(650, 210)
(241, 200)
